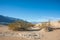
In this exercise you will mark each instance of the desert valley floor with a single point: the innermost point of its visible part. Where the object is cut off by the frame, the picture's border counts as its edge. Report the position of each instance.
(29, 35)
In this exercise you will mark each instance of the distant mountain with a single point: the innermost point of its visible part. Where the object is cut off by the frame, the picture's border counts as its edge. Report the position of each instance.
(35, 22)
(6, 20)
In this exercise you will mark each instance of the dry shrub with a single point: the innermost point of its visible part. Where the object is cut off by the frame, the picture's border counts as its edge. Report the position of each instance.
(19, 25)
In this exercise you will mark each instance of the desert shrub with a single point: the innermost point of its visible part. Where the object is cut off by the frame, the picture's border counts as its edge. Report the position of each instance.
(50, 29)
(18, 25)
(43, 25)
(47, 26)
(59, 21)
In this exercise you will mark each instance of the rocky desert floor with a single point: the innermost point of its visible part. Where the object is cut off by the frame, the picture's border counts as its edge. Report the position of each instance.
(6, 34)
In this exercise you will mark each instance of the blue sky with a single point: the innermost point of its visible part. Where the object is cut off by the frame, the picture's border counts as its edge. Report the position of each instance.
(31, 10)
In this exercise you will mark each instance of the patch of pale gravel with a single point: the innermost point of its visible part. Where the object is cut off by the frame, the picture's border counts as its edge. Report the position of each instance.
(27, 35)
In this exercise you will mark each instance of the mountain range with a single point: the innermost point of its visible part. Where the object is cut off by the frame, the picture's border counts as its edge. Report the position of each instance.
(6, 20)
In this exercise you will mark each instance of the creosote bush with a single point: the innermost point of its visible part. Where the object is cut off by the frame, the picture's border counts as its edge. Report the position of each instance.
(19, 25)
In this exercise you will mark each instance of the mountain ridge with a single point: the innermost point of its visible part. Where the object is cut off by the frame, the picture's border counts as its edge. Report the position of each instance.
(6, 20)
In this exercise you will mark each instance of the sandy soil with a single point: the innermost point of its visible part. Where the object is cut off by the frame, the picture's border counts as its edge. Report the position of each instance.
(41, 35)
(53, 35)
